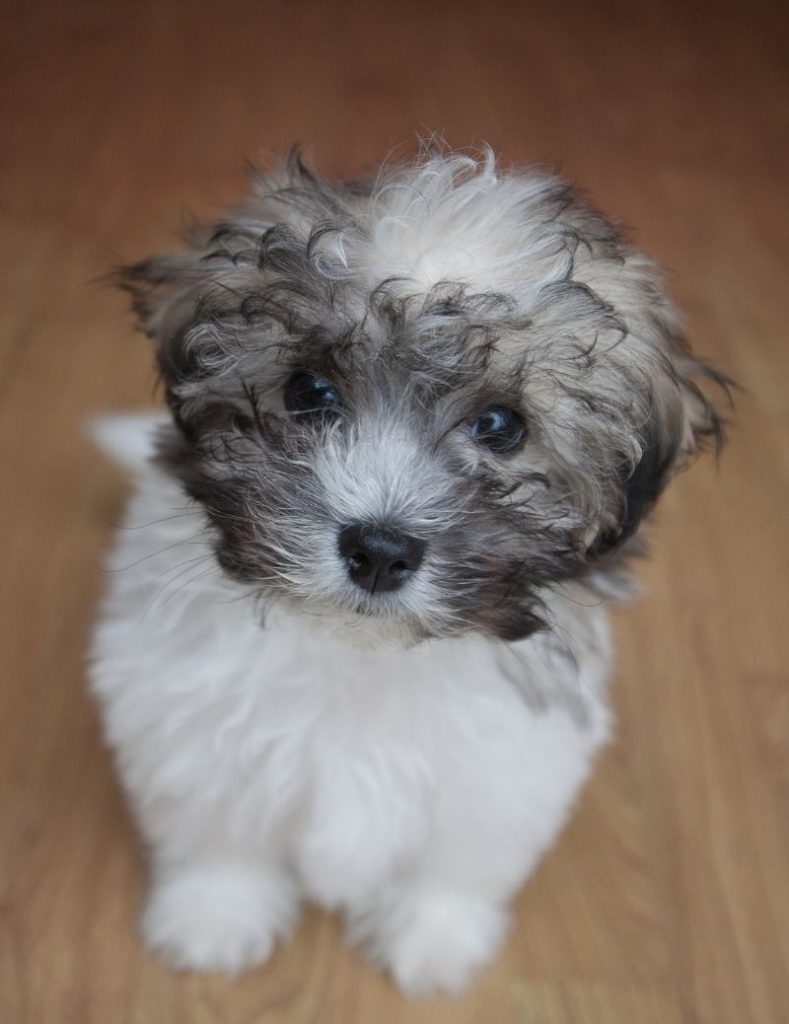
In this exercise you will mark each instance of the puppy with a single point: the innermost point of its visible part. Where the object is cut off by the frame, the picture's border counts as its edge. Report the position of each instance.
(355, 648)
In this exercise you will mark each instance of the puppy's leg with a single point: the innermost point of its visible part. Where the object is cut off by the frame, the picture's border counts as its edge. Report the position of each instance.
(218, 912)
(432, 939)
(437, 923)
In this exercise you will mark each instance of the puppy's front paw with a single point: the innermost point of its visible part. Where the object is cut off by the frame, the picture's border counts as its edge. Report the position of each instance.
(217, 917)
(442, 943)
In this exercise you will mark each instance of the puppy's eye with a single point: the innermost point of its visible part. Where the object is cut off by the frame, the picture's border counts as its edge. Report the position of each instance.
(309, 395)
(500, 430)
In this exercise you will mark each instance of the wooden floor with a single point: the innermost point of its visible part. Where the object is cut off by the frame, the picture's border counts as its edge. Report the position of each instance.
(667, 899)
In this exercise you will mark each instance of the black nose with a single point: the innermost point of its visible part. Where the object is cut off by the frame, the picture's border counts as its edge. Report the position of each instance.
(379, 559)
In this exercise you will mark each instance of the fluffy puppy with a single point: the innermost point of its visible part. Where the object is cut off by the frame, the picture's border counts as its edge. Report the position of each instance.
(355, 645)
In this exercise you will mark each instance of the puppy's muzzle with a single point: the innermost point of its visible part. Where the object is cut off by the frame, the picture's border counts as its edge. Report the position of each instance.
(379, 559)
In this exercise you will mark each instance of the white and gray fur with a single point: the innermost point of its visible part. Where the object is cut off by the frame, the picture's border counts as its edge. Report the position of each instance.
(405, 756)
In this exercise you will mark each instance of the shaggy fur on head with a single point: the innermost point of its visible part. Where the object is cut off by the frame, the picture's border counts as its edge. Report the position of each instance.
(492, 372)
(425, 297)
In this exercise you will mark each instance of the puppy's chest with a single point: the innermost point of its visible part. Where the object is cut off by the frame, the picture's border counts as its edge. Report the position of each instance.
(347, 754)
(341, 774)
(370, 788)
(310, 749)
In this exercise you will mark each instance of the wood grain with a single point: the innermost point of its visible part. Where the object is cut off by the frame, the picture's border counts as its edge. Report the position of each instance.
(667, 899)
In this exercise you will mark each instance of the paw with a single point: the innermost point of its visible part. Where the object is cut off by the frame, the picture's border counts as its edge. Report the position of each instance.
(224, 917)
(442, 943)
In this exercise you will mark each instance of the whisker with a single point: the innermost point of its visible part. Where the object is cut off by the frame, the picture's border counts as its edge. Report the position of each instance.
(153, 554)
(164, 519)
(187, 583)
(184, 568)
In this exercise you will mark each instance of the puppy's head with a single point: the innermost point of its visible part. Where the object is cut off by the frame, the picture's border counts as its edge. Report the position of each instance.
(424, 400)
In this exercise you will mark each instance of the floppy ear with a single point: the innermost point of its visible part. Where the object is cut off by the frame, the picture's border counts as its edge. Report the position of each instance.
(161, 292)
(684, 421)
(166, 293)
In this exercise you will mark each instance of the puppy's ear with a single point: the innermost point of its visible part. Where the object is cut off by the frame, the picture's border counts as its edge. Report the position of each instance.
(683, 422)
(161, 290)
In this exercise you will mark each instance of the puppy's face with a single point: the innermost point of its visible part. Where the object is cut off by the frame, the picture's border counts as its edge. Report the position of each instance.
(424, 401)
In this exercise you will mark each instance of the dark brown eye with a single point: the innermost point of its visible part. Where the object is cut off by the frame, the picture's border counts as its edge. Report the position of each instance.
(309, 395)
(500, 430)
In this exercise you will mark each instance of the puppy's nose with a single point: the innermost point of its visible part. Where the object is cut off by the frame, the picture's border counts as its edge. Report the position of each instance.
(379, 559)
